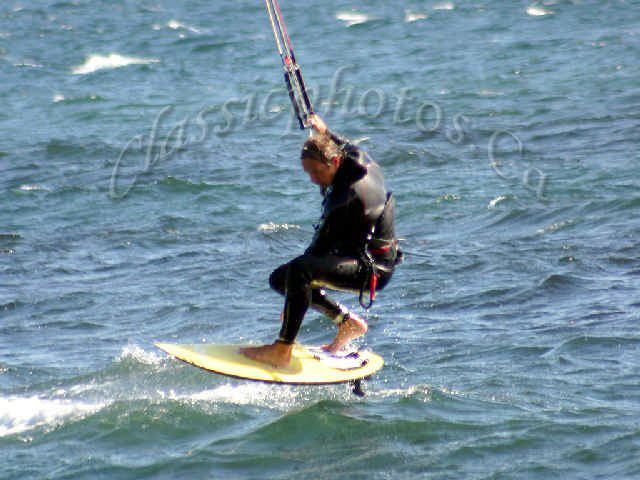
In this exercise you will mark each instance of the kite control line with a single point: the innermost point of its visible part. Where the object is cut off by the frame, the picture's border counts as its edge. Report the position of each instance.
(292, 74)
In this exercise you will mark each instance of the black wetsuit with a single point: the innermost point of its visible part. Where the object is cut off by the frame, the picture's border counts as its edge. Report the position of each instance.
(355, 239)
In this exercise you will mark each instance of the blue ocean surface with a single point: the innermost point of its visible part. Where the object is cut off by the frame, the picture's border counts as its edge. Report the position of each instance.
(150, 182)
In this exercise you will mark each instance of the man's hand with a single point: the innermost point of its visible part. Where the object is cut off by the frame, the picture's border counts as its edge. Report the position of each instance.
(317, 123)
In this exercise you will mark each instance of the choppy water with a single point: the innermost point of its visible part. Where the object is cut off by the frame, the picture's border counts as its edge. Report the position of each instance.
(150, 183)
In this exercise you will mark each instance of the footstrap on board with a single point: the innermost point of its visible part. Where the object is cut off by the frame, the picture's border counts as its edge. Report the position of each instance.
(342, 360)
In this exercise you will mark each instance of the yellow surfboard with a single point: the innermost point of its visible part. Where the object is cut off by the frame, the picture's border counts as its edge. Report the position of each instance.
(307, 367)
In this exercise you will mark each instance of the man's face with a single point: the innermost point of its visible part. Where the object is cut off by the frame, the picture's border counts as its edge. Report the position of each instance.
(319, 172)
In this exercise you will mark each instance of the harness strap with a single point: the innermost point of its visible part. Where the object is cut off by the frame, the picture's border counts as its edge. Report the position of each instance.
(371, 269)
(370, 279)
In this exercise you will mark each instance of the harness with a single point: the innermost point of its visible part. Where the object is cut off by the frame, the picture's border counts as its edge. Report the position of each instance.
(372, 269)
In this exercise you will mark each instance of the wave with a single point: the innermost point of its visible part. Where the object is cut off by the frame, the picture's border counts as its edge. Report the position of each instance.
(53, 191)
(81, 397)
(410, 17)
(33, 187)
(11, 305)
(136, 354)
(594, 347)
(93, 401)
(272, 227)
(353, 18)
(448, 197)
(558, 282)
(182, 185)
(444, 6)
(512, 216)
(176, 25)
(556, 226)
(538, 11)
(28, 64)
(499, 199)
(93, 63)
(140, 378)
(10, 237)
(61, 98)
(19, 414)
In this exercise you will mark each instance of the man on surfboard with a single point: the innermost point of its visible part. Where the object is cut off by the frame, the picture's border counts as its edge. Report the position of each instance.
(354, 247)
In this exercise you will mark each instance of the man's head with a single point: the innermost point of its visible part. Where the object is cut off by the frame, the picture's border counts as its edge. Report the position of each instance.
(321, 158)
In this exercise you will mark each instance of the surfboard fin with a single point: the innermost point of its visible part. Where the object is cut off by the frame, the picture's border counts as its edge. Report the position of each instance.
(357, 387)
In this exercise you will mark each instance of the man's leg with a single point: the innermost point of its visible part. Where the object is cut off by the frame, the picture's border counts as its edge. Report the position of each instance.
(320, 301)
(303, 277)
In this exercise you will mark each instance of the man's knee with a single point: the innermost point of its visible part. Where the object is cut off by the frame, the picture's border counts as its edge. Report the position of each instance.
(299, 271)
(278, 277)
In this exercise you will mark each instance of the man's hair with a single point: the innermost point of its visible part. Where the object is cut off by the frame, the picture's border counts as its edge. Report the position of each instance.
(321, 148)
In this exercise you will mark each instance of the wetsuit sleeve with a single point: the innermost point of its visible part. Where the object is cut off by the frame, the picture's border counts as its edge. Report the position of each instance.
(339, 139)
(345, 144)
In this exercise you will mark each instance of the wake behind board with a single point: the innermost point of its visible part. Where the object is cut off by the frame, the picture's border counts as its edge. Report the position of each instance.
(309, 366)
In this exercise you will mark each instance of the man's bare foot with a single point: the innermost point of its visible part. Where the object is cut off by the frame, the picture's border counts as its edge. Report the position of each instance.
(353, 328)
(277, 354)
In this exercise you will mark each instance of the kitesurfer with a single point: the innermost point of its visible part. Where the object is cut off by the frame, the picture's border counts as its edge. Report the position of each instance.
(354, 247)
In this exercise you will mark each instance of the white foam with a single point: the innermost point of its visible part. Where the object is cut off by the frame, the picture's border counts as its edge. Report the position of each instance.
(28, 64)
(276, 109)
(538, 11)
(93, 63)
(353, 18)
(242, 394)
(264, 395)
(485, 92)
(276, 397)
(496, 201)
(277, 227)
(554, 227)
(410, 17)
(422, 391)
(33, 188)
(140, 355)
(175, 25)
(58, 97)
(19, 414)
(444, 6)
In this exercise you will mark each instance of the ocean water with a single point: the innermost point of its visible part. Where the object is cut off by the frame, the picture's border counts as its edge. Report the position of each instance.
(150, 183)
